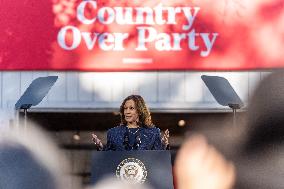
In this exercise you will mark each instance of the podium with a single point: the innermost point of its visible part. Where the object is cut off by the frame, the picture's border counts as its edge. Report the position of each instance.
(152, 167)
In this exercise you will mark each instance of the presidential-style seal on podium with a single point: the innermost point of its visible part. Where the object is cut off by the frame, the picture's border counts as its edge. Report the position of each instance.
(132, 170)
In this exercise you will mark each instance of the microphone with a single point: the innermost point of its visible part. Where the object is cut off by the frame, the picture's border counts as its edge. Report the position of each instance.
(137, 142)
(126, 141)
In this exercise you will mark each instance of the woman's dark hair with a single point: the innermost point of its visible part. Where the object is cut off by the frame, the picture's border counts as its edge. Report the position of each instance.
(142, 110)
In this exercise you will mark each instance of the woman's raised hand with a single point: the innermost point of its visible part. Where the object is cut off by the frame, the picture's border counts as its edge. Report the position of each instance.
(165, 138)
(97, 141)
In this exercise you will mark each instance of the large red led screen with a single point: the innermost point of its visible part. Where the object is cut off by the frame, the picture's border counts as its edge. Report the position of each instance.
(119, 35)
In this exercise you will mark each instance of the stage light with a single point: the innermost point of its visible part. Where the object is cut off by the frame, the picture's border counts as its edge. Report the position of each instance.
(76, 136)
(181, 123)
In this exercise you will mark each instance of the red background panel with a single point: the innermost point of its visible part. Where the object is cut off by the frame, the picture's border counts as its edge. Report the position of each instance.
(250, 36)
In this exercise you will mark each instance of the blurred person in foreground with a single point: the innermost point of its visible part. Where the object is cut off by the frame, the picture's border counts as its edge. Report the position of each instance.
(29, 160)
(261, 158)
(199, 165)
(136, 130)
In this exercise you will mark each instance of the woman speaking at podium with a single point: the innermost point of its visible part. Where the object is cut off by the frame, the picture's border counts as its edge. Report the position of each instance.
(136, 130)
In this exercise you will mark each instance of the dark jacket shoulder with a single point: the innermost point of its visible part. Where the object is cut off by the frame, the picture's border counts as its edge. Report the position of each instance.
(154, 129)
(116, 129)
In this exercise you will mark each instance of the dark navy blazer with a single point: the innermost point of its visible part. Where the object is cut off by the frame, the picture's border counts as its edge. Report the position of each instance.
(149, 139)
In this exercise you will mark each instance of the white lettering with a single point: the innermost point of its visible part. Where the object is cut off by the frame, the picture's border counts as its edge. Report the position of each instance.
(88, 39)
(140, 15)
(189, 17)
(208, 43)
(124, 15)
(163, 42)
(177, 40)
(110, 15)
(159, 14)
(70, 37)
(191, 40)
(172, 41)
(81, 10)
(119, 38)
(142, 39)
(76, 36)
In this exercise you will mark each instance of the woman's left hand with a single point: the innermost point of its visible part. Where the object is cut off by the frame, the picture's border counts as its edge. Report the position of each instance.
(165, 138)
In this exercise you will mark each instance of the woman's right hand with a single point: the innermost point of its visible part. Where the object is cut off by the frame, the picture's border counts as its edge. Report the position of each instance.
(97, 141)
(165, 138)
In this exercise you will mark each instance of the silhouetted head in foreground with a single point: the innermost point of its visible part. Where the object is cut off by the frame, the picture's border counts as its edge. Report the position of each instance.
(29, 160)
(261, 163)
(266, 115)
(19, 168)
